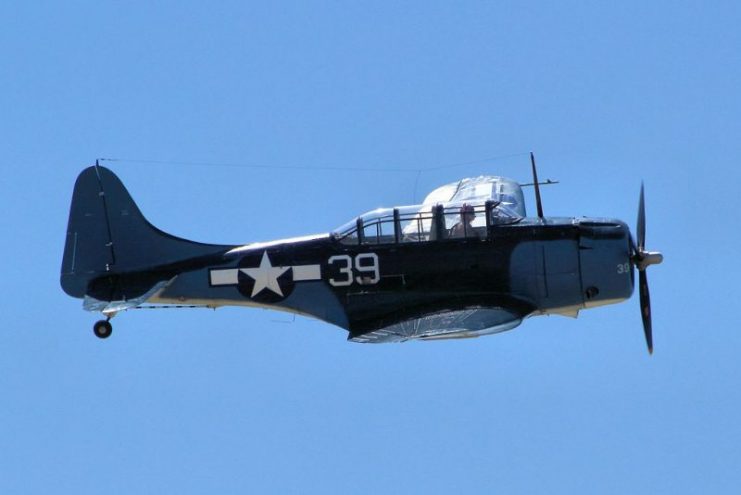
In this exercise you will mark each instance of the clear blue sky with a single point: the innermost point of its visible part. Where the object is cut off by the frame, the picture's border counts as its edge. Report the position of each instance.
(247, 401)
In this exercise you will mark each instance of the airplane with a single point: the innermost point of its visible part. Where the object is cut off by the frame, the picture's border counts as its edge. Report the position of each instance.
(466, 262)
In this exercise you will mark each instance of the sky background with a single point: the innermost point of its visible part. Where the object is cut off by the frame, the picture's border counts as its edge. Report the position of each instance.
(251, 401)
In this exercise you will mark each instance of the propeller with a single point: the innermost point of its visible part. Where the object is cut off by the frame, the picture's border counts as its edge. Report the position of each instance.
(642, 259)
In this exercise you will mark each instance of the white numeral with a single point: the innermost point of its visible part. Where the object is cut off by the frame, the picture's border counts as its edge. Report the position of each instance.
(345, 270)
(366, 264)
(623, 268)
(367, 268)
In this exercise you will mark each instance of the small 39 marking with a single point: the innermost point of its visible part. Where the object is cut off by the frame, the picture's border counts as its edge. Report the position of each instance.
(623, 268)
(365, 263)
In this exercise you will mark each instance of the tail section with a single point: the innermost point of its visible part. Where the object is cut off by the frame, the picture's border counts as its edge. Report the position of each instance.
(112, 252)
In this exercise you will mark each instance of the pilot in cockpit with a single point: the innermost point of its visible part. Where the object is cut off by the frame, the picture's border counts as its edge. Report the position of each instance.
(463, 227)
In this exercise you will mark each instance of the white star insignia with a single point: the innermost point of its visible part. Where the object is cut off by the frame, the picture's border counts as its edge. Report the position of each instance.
(265, 276)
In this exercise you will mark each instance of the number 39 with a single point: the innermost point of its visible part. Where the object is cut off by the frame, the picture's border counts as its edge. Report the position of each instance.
(366, 264)
(623, 268)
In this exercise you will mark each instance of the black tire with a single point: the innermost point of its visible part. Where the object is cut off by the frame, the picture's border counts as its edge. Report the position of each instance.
(102, 329)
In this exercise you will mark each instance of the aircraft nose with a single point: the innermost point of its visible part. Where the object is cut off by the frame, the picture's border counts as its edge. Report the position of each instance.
(605, 260)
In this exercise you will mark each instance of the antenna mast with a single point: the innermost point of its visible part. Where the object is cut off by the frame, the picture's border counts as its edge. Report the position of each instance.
(538, 203)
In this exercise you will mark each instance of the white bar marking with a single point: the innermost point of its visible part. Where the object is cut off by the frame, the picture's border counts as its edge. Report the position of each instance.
(306, 272)
(225, 277)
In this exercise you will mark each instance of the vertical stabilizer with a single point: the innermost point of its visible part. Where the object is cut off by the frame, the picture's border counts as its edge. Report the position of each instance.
(108, 235)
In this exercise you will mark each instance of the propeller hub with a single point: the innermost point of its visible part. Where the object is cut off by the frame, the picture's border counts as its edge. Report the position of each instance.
(643, 259)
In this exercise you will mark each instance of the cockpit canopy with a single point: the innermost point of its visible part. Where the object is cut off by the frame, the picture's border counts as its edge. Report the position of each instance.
(465, 209)
(506, 192)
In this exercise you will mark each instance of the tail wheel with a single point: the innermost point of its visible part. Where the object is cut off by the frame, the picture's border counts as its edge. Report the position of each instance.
(102, 329)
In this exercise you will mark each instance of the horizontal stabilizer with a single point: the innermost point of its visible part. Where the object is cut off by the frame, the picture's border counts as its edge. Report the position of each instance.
(112, 307)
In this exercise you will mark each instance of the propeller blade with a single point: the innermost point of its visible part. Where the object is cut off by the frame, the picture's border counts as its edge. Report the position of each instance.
(641, 224)
(645, 309)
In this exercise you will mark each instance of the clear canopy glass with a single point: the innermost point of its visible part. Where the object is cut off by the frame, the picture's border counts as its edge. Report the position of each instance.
(486, 187)
(472, 208)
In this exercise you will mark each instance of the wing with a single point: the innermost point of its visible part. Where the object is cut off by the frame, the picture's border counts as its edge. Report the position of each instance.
(465, 323)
